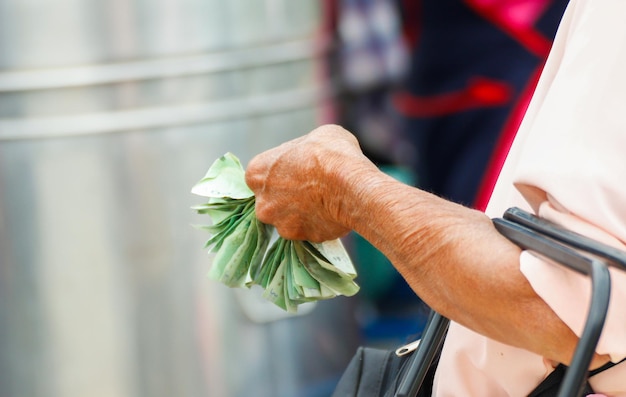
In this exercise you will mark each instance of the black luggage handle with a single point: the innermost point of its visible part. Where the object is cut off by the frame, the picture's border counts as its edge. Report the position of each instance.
(562, 246)
(613, 256)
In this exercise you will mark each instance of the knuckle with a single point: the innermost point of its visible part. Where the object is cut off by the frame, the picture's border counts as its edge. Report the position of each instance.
(262, 212)
(251, 176)
(288, 233)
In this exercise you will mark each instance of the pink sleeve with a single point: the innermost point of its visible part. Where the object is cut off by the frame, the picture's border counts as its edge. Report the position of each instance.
(568, 292)
(568, 162)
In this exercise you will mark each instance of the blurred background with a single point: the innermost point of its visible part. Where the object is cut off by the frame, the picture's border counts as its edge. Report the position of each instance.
(110, 111)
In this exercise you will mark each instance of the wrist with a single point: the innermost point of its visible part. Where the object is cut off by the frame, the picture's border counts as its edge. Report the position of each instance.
(362, 192)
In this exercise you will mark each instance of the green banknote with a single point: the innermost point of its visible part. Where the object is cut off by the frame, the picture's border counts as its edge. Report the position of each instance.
(248, 252)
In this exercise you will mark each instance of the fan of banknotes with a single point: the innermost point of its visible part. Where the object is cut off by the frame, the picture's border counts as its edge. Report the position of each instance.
(249, 252)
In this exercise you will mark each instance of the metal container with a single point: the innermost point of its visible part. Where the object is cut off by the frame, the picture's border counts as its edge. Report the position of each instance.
(109, 113)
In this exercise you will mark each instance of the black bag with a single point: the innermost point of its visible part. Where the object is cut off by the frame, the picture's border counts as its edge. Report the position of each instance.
(389, 373)
(384, 373)
(377, 372)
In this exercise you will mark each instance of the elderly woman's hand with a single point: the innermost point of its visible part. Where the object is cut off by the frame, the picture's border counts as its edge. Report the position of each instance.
(303, 187)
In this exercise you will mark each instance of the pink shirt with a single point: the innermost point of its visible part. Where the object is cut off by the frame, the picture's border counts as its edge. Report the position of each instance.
(568, 164)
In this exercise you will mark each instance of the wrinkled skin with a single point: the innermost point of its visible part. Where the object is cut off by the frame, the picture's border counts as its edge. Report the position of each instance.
(320, 186)
(291, 183)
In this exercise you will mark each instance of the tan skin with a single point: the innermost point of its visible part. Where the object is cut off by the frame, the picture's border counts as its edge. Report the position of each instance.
(321, 186)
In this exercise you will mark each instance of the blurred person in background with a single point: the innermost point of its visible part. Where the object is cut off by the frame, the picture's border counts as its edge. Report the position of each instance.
(474, 66)
(435, 91)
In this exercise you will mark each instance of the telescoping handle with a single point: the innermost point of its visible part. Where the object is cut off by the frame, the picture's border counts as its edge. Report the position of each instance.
(570, 249)
(576, 375)
(567, 248)
(431, 343)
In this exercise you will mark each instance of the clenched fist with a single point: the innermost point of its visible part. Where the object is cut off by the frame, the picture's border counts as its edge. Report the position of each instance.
(305, 187)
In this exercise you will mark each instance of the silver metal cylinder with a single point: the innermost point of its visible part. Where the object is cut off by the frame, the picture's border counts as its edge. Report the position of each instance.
(109, 112)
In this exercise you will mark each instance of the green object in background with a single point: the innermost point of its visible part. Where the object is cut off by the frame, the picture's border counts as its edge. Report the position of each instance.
(290, 272)
(377, 276)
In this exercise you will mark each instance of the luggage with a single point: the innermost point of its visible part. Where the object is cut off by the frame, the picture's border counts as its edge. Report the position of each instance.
(374, 372)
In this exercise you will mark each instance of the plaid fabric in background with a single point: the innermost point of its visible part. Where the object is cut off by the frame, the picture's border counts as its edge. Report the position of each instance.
(372, 51)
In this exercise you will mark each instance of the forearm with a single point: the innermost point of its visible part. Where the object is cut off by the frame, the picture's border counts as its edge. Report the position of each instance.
(321, 186)
(457, 262)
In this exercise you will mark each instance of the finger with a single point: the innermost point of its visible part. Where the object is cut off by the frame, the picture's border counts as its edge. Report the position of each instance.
(316, 233)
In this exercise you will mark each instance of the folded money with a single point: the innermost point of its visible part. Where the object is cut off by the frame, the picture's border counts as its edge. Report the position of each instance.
(290, 272)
